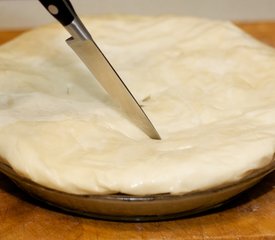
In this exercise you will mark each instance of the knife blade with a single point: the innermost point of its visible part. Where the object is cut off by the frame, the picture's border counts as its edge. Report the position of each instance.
(87, 50)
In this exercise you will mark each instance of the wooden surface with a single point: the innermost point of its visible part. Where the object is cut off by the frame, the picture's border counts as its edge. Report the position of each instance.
(251, 216)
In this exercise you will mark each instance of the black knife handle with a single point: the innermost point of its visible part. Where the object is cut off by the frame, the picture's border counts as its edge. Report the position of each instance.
(69, 4)
(61, 10)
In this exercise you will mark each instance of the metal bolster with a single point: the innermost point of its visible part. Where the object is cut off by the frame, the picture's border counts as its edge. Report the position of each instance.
(78, 30)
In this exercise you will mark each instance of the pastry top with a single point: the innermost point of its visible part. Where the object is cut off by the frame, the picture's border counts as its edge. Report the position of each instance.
(207, 86)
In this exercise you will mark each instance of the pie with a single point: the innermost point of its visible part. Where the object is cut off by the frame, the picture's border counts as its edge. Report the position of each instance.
(207, 86)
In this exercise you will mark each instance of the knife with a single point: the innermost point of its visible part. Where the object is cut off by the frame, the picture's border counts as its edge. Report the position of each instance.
(87, 50)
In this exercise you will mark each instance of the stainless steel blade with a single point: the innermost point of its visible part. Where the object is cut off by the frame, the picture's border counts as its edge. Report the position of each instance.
(94, 59)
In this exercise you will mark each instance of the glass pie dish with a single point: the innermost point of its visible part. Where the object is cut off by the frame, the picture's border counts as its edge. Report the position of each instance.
(121, 207)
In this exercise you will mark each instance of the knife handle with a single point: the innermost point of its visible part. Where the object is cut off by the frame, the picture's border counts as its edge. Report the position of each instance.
(69, 4)
(61, 10)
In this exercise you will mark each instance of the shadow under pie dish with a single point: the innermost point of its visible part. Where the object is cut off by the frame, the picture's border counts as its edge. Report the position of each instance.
(215, 113)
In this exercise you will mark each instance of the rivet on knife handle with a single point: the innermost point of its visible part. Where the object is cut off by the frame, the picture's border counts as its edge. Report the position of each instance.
(60, 10)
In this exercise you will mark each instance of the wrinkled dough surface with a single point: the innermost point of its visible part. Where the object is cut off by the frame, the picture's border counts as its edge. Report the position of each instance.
(207, 87)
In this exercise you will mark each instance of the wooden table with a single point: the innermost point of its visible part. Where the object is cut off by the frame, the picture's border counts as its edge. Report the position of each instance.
(251, 216)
